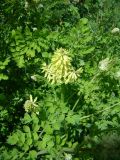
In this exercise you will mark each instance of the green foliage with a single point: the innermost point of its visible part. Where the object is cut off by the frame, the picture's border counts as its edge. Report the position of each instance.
(23, 47)
(2, 68)
(65, 121)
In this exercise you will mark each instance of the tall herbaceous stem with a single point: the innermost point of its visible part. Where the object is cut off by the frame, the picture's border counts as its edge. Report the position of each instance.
(63, 92)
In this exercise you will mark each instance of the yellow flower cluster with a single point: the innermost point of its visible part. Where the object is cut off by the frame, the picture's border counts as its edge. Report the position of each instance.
(30, 105)
(60, 69)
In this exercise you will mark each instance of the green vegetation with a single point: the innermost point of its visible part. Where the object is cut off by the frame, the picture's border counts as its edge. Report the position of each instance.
(59, 77)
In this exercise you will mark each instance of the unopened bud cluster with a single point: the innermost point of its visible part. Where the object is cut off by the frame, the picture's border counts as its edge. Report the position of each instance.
(115, 30)
(30, 105)
(104, 64)
(60, 69)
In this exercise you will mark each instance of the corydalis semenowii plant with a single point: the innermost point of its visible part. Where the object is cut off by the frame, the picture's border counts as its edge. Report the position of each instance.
(60, 69)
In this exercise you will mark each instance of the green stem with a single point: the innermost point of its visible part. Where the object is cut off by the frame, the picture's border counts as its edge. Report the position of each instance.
(62, 92)
(79, 97)
(75, 104)
(90, 115)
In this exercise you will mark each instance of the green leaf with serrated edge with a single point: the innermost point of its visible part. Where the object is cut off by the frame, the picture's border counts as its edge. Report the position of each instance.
(56, 126)
(13, 139)
(69, 144)
(35, 127)
(35, 136)
(48, 129)
(33, 154)
(3, 77)
(28, 141)
(70, 120)
(18, 48)
(12, 44)
(28, 135)
(20, 61)
(45, 54)
(38, 145)
(52, 109)
(22, 138)
(6, 155)
(61, 117)
(30, 53)
(50, 144)
(63, 141)
(26, 128)
(65, 110)
(58, 139)
(47, 137)
(14, 154)
(27, 118)
(75, 145)
(25, 147)
(41, 145)
(34, 118)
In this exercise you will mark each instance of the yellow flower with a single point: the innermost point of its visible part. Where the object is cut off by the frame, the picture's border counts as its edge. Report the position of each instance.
(60, 69)
(30, 105)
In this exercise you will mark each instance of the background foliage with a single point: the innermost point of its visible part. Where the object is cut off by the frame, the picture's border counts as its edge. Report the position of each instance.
(65, 121)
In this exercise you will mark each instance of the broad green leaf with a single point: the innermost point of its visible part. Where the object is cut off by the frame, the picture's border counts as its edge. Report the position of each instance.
(33, 154)
(56, 126)
(25, 50)
(65, 110)
(27, 118)
(84, 20)
(3, 77)
(35, 127)
(52, 109)
(88, 50)
(61, 117)
(47, 138)
(35, 118)
(50, 144)
(13, 33)
(38, 145)
(12, 50)
(35, 136)
(70, 120)
(18, 48)
(14, 154)
(21, 137)
(26, 128)
(13, 139)
(64, 140)
(58, 139)
(41, 145)
(25, 147)
(30, 53)
(69, 144)
(48, 129)
(28, 141)
(20, 61)
(45, 54)
(74, 145)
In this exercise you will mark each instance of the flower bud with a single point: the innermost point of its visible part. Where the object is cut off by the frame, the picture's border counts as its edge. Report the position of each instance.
(104, 64)
(115, 30)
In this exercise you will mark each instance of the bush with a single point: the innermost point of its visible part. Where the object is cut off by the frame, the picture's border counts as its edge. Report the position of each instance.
(60, 78)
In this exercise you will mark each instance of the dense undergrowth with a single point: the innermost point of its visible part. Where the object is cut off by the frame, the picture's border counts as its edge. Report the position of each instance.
(59, 77)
